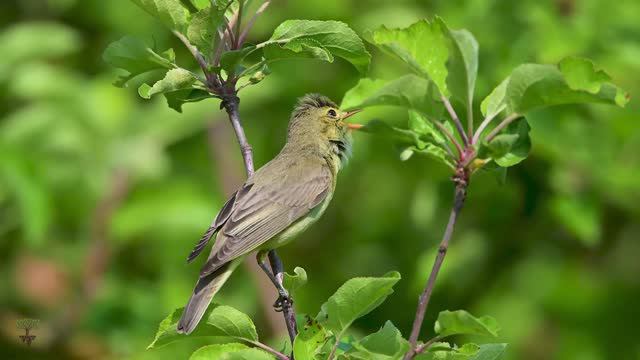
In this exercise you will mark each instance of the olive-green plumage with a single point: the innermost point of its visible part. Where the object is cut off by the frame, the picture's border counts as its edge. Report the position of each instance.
(278, 202)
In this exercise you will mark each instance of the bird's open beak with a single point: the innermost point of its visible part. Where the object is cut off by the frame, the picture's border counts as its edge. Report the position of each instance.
(348, 114)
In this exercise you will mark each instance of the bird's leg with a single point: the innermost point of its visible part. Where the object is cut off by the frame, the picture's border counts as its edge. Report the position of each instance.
(283, 295)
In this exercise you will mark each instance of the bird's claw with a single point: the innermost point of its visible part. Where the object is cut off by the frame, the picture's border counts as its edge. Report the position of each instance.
(283, 301)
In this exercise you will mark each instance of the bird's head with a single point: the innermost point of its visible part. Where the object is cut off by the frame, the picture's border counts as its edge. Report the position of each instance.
(317, 119)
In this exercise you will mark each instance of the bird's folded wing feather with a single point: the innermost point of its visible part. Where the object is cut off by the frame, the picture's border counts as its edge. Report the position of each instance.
(268, 208)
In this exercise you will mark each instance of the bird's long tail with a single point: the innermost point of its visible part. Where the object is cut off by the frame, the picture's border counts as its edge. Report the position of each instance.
(205, 289)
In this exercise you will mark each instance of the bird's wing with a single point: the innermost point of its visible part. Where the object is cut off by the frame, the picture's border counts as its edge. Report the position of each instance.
(217, 223)
(268, 208)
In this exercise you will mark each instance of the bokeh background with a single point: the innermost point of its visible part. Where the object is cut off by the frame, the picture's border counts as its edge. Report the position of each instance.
(103, 194)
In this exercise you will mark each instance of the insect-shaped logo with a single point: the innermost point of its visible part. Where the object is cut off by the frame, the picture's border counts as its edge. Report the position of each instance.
(27, 325)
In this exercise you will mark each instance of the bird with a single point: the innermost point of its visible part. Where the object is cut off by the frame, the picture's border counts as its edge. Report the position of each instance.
(278, 202)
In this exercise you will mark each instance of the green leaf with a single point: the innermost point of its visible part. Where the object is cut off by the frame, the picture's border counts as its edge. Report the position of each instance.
(218, 320)
(316, 39)
(201, 4)
(379, 127)
(409, 91)
(490, 352)
(461, 322)
(581, 74)
(533, 86)
(510, 147)
(230, 60)
(294, 282)
(493, 104)
(497, 171)
(250, 354)
(172, 13)
(437, 153)
(133, 55)
(176, 99)
(385, 344)
(462, 67)
(203, 29)
(420, 124)
(174, 80)
(422, 45)
(355, 298)
(217, 351)
(444, 351)
(309, 340)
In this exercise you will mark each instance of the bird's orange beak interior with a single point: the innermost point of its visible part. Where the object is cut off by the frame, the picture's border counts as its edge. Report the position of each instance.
(348, 114)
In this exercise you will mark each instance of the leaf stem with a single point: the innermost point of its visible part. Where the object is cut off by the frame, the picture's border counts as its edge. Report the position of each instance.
(199, 58)
(487, 120)
(508, 120)
(238, 23)
(267, 348)
(253, 19)
(461, 180)
(334, 348)
(450, 136)
(422, 348)
(456, 120)
(470, 118)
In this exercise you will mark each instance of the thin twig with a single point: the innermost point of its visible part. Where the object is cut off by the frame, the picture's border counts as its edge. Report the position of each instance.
(253, 19)
(456, 120)
(462, 181)
(268, 349)
(508, 120)
(449, 135)
(231, 104)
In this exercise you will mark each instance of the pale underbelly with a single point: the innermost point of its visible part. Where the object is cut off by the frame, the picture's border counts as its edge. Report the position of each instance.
(299, 226)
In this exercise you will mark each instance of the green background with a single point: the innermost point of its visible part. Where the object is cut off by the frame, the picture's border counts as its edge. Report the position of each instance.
(91, 173)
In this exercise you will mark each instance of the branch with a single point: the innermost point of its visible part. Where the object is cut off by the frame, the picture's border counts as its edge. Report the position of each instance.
(253, 19)
(462, 180)
(231, 104)
(268, 349)
(508, 120)
(456, 120)
(287, 307)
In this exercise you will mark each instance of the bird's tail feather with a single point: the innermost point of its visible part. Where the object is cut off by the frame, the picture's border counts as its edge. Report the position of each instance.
(205, 289)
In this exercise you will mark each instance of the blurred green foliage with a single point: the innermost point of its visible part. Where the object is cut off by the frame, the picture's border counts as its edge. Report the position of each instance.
(552, 255)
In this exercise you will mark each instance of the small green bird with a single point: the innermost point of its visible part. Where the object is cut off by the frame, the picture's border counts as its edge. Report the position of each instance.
(276, 203)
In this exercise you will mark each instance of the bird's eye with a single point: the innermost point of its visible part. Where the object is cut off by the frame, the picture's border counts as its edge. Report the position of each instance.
(332, 113)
